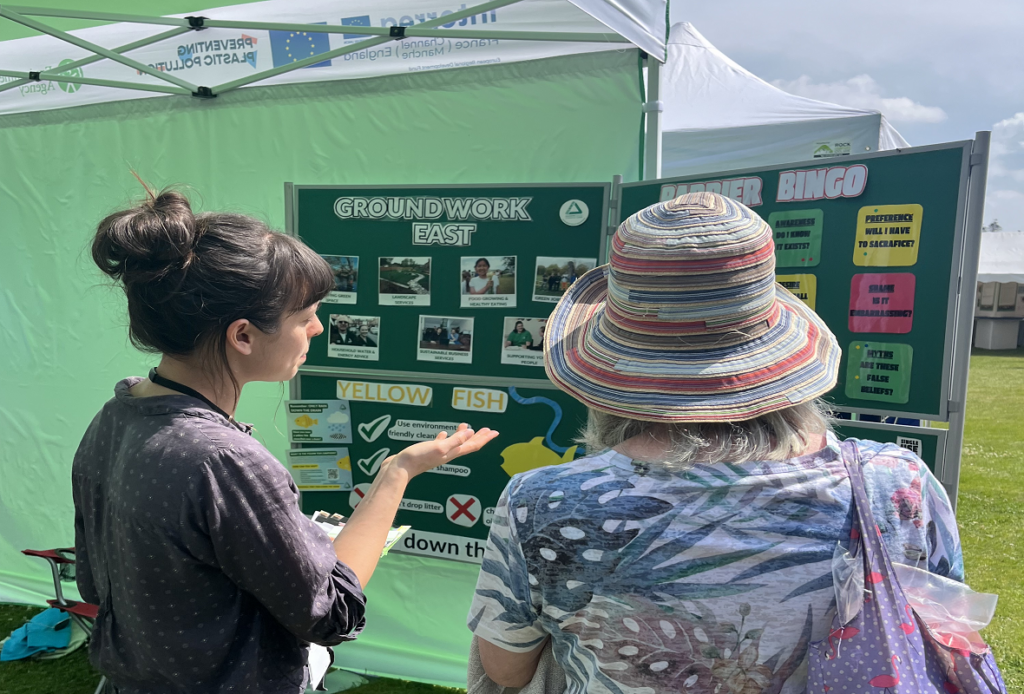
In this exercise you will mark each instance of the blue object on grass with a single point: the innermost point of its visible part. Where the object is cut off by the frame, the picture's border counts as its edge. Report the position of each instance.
(47, 631)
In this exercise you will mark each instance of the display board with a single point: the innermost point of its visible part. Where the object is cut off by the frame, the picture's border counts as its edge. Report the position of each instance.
(873, 245)
(926, 442)
(438, 314)
(449, 508)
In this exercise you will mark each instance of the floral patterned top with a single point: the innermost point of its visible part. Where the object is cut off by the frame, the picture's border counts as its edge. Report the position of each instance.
(713, 580)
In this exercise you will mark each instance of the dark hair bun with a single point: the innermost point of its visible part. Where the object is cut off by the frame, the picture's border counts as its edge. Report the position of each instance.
(188, 277)
(149, 241)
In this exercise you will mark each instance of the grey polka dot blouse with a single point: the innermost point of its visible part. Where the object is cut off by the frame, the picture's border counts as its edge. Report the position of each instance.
(190, 539)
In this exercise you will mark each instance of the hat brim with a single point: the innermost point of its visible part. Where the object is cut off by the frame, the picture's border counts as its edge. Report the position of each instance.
(794, 361)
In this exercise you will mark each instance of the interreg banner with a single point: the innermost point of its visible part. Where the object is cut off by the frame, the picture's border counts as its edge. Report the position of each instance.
(215, 56)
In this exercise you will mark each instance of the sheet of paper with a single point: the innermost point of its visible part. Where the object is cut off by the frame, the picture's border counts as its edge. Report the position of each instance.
(319, 421)
(321, 469)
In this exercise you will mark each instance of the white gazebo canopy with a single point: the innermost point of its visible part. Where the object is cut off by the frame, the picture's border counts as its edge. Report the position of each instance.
(221, 49)
(718, 116)
(1002, 257)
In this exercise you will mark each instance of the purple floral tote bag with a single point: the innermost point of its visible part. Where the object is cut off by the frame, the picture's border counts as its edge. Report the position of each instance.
(884, 648)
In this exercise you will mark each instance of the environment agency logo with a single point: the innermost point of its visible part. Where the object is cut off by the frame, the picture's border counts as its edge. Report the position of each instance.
(70, 87)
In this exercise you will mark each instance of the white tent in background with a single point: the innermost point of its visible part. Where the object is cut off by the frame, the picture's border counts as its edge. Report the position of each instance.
(1002, 257)
(718, 116)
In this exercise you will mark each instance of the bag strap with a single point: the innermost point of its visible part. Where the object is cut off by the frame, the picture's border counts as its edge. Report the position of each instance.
(876, 556)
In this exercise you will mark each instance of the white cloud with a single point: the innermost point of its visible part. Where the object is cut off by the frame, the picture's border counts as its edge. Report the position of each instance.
(1007, 206)
(1007, 152)
(1004, 199)
(864, 92)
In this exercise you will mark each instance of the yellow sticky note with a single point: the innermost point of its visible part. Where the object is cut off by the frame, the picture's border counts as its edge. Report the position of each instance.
(888, 235)
(805, 287)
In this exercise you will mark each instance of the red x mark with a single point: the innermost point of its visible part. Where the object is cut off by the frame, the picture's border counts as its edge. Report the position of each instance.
(463, 509)
(359, 493)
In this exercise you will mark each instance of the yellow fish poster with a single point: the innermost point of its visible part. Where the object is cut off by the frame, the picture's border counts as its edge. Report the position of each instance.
(319, 421)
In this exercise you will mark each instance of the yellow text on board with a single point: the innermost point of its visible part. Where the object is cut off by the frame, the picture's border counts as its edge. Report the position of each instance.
(804, 287)
(393, 393)
(479, 399)
(888, 235)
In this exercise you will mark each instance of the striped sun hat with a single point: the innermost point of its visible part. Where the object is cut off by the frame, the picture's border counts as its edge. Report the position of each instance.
(687, 324)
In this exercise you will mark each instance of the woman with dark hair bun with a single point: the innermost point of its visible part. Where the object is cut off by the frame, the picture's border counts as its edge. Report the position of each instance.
(188, 532)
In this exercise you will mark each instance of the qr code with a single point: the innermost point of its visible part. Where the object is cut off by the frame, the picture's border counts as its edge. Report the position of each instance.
(332, 474)
(912, 445)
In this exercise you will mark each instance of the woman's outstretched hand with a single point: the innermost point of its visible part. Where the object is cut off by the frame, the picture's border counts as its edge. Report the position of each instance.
(361, 540)
(427, 455)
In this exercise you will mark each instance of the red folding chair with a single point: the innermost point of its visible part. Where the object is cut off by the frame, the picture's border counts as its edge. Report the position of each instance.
(62, 564)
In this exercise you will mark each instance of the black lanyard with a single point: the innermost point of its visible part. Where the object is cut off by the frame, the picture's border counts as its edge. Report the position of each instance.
(185, 390)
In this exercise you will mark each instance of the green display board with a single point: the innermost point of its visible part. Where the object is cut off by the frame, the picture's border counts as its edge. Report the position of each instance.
(928, 443)
(872, 244)
(440, 304)
(450, 509)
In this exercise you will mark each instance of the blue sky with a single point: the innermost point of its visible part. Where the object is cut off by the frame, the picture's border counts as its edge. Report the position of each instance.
(938, 70)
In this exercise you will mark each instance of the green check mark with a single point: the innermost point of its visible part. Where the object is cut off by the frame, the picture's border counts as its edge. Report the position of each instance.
(372, 464)
(371, 431)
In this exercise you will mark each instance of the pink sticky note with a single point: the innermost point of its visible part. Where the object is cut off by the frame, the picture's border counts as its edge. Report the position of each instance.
(882, 302)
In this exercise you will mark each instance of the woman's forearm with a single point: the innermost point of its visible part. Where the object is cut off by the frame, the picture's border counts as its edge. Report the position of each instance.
(362, 539)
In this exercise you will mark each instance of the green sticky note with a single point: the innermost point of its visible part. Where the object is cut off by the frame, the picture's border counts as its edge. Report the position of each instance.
(879, 371)
(797, 235)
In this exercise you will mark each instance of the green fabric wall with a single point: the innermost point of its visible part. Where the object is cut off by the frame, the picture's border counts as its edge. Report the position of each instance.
(63, 342)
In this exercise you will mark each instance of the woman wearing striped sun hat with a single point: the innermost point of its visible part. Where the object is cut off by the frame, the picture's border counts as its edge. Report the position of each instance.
(691, 549)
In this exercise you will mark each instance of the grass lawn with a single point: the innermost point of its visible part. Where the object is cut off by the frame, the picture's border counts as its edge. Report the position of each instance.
(69, 675)
(990, 510)
(73, 674)
(990, 514)
(507, 284)
(397, 276)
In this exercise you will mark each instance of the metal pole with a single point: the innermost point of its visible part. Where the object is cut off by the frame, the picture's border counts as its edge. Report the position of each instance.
(358, 46)
(417, 30)
(57, 77)
(421, 30)
(99, 50)
(653, 108)
(96, 58)
(965, 312)
(16, 83)
(614, 217)
(97, 16)
(295, 384)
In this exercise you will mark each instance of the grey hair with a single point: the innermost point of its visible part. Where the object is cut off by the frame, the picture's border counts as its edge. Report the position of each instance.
(776, 435)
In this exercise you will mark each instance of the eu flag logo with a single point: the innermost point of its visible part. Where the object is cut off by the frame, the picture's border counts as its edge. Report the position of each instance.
(292, 46)
(360, 21)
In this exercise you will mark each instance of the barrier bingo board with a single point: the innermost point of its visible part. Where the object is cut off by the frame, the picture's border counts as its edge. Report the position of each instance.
(872, 244)
(928, 443)
(437, 317)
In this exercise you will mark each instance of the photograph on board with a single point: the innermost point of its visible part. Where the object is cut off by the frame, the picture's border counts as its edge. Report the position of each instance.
(523, 341)
(488, 282)
(555, 275)
(445, 339)
(354, 337)
(346, 278)
(404, 281)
